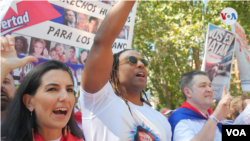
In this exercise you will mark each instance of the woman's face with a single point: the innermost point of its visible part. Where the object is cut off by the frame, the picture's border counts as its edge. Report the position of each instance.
(82, 20)
(54, 100)
(54, 55)
(59, 50)
(38, 48)
(72, 53)
(19, 44)
(83, 57)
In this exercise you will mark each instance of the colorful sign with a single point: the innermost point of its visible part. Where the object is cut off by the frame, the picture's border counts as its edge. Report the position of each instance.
(218, 58)
(242, 55)
(61, 30)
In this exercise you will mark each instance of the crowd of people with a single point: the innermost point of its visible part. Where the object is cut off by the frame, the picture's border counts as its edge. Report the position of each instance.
(111, 97)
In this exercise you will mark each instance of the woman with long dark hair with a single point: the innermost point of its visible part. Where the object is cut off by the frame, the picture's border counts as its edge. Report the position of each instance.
(83, 57)
(42, 108)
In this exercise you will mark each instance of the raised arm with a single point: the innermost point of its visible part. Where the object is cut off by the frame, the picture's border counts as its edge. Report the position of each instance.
(207, 133)
(9, 59)
(99, 63)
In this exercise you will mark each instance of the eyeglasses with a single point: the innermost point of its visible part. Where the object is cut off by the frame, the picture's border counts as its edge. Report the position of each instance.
(134, 60)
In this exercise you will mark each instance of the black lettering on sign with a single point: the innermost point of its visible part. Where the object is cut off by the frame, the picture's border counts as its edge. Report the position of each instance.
(219, 41)
(235, 132)
(59, 33)
(119, 45)
(103, 11)
(82, 4)
(128, 20)
(83, 40)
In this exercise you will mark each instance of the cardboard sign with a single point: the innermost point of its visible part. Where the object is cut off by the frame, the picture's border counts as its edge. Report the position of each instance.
(218, 58)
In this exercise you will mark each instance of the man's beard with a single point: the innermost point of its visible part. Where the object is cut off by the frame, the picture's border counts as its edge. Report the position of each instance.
(5, 101)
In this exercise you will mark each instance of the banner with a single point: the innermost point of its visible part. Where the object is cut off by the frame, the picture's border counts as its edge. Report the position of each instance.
(242, 55)
(19, 73)
(61, 30)
(218, 58)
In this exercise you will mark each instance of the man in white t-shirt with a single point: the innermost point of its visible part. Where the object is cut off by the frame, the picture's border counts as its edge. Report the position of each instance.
(111, 96)
(195, 120)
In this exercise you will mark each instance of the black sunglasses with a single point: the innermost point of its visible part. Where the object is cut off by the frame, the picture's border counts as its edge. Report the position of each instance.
(134, 60)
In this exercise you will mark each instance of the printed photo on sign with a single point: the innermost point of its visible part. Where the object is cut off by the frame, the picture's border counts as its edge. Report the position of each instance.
(218, 58)
(93, 24)
(39, 48)
(69, 18)
(56, 51)
(22, 44)
(82, 21)
(124, 33)
(71, 54)
(82, 56)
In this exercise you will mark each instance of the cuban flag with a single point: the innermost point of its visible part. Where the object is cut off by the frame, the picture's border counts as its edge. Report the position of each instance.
(187, 111)
(22, 14)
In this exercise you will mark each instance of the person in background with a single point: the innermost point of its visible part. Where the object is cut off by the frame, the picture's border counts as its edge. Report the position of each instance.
(167, 112)
(112, 87)
(195, 119)
(241, 105)
(43, 104)
(8, 91)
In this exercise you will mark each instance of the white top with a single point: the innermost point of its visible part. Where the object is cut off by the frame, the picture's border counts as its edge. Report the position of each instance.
(106, 117)
(244, 117)
(187, 129)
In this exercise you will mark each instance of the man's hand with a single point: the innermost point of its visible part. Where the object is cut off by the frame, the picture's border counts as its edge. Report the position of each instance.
(223, 107)
(9, 59)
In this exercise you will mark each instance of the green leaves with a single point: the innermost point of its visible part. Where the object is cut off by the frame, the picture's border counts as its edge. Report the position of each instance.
(171, 35)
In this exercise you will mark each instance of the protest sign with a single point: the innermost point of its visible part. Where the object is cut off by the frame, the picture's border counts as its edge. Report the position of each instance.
(60, 30)
(218, 58)
(242, 55)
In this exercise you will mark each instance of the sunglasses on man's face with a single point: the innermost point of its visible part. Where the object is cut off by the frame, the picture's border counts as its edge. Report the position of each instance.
(134, 60)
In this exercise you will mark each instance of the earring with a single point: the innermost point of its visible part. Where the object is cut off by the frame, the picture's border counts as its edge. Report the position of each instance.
(69, 130)
(33, 134)
(65, 131)
(32, 128)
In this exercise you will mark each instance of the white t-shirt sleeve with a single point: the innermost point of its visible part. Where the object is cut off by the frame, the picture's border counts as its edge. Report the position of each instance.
(93, 104)
(183, 132)
(244, 117)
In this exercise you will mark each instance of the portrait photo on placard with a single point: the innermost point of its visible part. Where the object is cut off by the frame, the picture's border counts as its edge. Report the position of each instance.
(82, 56)
(82, 22)
(39, 48)
(71, 54)
(69, 18)
(22, 43)
(57, 51)
(124, 33)
(93, 24)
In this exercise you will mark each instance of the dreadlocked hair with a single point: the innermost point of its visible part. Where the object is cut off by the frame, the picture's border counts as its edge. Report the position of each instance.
(114, 80)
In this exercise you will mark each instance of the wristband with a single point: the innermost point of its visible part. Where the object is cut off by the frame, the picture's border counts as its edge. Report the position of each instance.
(213, 118)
